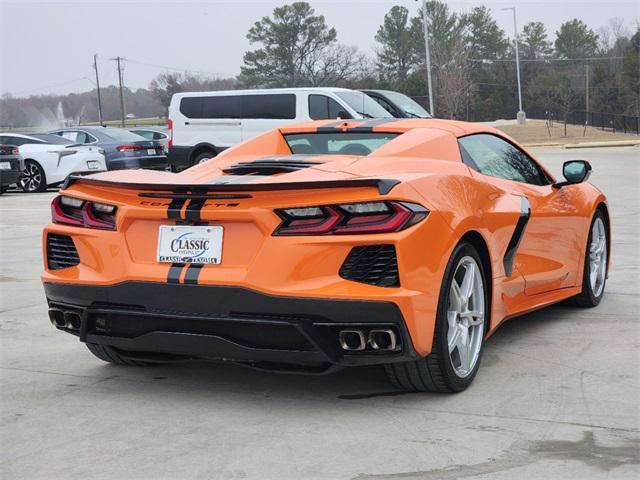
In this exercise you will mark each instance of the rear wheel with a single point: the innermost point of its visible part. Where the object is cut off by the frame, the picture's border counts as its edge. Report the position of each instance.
(459, 333)
(111, 355)
(33, 178)
(203, 157)
(594, 276)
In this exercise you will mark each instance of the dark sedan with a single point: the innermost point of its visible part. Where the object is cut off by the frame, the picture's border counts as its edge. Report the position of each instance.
(11, 166)
(123, 149)
(398, 104)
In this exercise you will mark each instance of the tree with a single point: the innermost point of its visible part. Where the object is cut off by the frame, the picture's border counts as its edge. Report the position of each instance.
(534, 43)
(631, 72)
(397, 55)
(487, 40)
(295, 47)
(450, 51)
(575, 40)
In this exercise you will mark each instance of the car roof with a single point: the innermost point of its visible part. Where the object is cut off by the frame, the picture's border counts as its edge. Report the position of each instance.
(14, 134)
(263, 91)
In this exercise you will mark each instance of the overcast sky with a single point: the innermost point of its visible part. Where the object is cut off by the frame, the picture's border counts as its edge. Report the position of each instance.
(48, 46)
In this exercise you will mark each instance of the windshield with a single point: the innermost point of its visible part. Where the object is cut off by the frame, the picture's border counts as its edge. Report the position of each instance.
(343, 143)
(121, 135)
(407, 105)
(50, 138)
(363, 104)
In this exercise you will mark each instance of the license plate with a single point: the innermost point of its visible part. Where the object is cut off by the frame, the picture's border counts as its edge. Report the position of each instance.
(5, 166)
(185, 244)
(151, 151)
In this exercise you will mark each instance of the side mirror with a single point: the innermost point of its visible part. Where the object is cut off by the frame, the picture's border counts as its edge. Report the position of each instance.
(344, 115)
(574, 171)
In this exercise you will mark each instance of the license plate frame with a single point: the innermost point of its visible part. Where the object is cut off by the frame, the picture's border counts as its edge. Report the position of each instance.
(200, 244)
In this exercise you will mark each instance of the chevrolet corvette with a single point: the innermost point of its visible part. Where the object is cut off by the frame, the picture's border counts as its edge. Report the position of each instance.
(400, 242)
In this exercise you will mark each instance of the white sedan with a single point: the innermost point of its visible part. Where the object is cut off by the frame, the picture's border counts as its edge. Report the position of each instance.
(50, 159)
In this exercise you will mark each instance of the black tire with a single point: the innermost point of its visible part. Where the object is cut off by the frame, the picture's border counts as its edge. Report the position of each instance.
(33, 179)
(435, 372)
(110, 355)
(587, 298)
(201, 157)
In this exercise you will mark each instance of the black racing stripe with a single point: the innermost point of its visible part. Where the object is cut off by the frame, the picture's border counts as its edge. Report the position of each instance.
(367, 127)
(175, 207)
(174, 272)
(518, 232)
(191, 276)
(192, 213)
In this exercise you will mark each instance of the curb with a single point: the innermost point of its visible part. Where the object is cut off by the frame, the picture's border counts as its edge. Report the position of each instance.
(541, 144)
(620, 143)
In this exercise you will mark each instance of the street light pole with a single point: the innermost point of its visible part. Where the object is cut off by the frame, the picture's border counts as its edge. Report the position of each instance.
(428, 55)
(521, 115)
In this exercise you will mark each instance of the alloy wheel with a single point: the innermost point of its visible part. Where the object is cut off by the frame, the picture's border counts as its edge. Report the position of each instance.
(31, 178)
(465, 316)
(598, 257)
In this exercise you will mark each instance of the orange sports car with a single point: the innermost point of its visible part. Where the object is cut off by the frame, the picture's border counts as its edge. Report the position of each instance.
(397, 242)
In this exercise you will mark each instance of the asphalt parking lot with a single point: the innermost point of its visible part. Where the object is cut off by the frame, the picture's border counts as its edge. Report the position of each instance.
(557, 396)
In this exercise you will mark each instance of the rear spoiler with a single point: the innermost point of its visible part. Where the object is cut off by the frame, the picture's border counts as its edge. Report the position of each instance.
(384, 186)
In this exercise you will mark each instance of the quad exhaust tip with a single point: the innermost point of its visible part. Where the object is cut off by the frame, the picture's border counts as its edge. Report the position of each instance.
(379, 339)
(65, 319)
(383, 339)
(352, 340)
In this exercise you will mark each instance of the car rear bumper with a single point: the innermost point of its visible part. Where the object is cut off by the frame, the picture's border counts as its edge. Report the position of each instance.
(227, 323)
(149, 163)
(9, 177)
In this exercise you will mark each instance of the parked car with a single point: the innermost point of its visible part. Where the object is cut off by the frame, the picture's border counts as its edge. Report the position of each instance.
(161, 135)
(11, 166)
(202, 124)
(398, 104)
(50, 159)
(123, 149)
(401, 244)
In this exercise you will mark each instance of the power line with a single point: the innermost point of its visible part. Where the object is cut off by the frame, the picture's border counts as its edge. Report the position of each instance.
(185, 70)
(584, 59)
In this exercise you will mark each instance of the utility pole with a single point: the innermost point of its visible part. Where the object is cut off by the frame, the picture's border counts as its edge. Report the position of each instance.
(521, 115)
(425, 23)
(95, 67)
(586, 100)
(118, 60)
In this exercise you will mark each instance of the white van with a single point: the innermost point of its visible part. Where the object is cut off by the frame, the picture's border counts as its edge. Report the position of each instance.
(202, 124)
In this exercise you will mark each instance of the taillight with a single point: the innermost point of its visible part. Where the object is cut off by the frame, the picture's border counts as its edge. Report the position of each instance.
(83, 213)
(130, 148)
(170, 126)
(350, 218)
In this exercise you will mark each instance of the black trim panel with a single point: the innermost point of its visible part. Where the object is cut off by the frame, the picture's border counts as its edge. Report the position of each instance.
(317, 320)
(384, 186)
(518, 232)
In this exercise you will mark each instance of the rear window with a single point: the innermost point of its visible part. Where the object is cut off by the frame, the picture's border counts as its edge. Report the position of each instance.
(121, 135)
(276, 106)
(343, 143)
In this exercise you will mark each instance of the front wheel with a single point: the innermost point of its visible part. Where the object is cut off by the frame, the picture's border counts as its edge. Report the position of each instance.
(594, 274)
(33, 178)
(463, 309)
